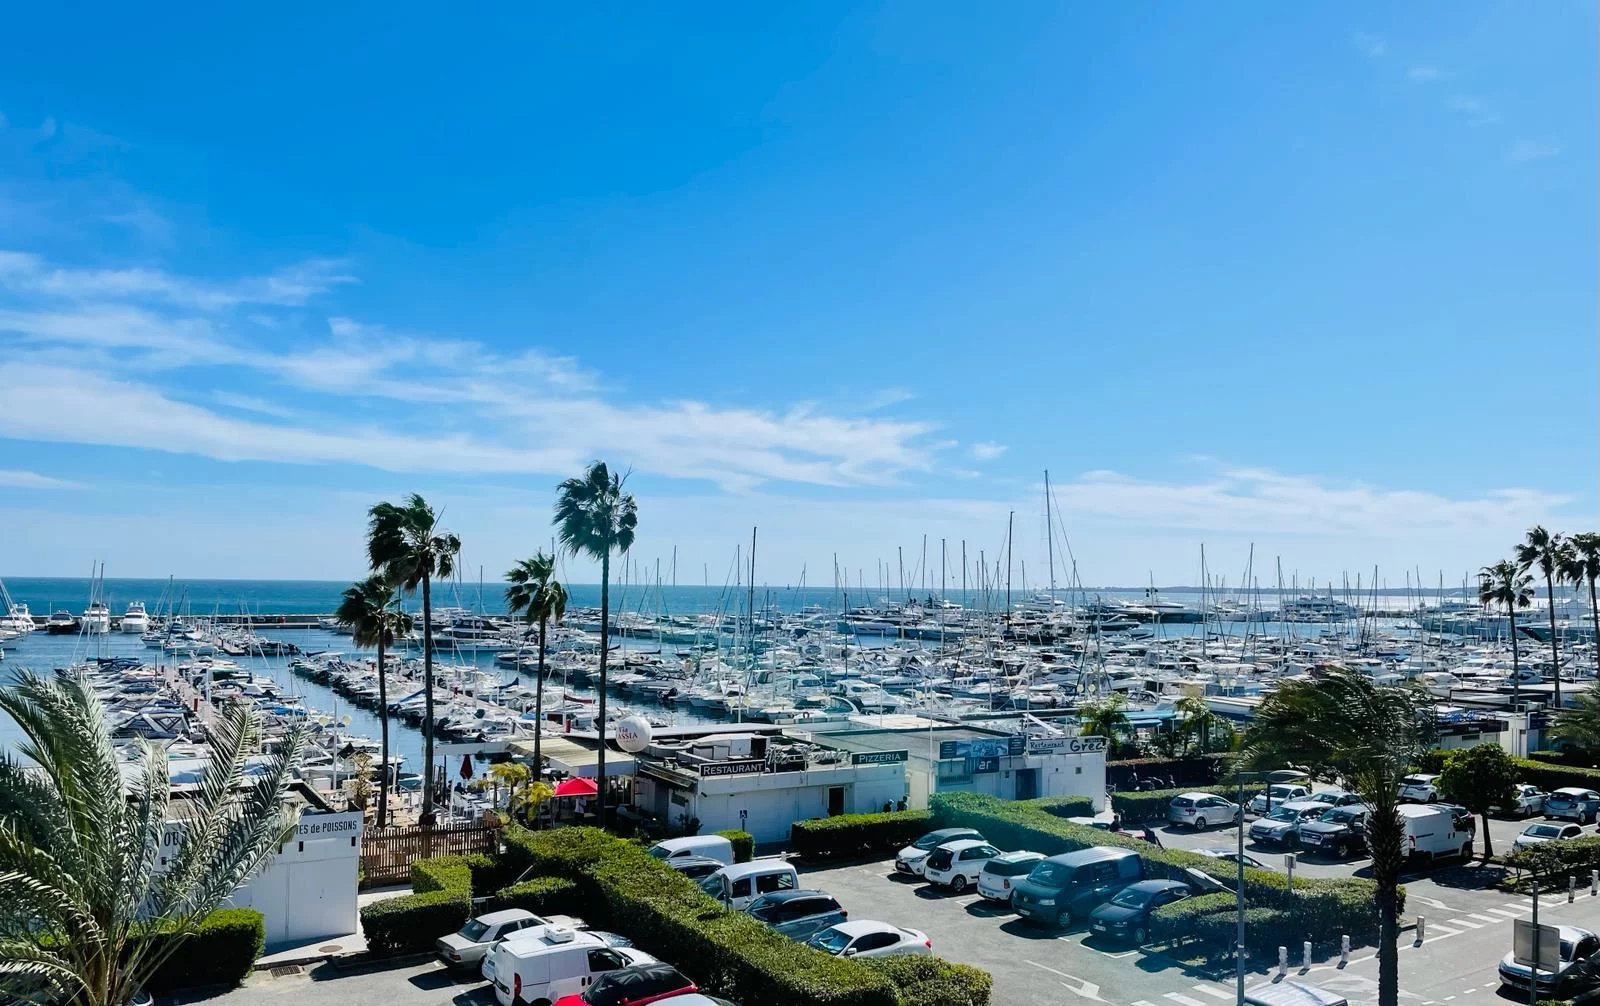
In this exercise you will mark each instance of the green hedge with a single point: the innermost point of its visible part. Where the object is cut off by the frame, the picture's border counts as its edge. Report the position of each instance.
(440, 904)
(1141, 808)
(1067, 806)
(1323, 909)
(541, 896)
(1543, 774)
(744, 844)
(849, 836)
(930, 981)
(1556, 860)
(726, 953)
(221, 952)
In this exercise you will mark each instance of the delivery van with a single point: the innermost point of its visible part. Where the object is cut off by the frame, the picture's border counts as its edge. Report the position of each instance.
(1431, 833)
(558, 962)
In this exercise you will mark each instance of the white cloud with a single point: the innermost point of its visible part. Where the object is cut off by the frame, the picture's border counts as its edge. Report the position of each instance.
(291, 286)
(1424, 74)
(1373, 45)
(986, 450)
(1524, 151)
(14, 478)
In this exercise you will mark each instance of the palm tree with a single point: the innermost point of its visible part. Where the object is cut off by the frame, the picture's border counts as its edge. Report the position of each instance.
(408, 547)
(1579, 723)
(538, 597)
(595, 517)
(510, 774)
(369, 611)
(83, 911)
(1105, 718)
(1542, 549)
(1199, 723)
(1369, 736)
(1581, 565)
(1509, 587)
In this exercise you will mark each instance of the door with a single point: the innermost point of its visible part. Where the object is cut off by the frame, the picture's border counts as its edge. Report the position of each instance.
(1027, 784)
(835, 801)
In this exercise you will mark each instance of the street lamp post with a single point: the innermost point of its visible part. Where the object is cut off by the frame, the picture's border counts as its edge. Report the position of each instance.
(1238, 947)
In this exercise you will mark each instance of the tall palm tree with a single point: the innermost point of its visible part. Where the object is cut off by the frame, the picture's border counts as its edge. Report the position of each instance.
(369, 611)
(1581, 565)
(1199, 723)
(1105, 718)
(82, 905)
(1579, 723)
(1542, 549)
(1369, 736)
(1506, 585)
(408, 547)
(595, 517)
(535, 594)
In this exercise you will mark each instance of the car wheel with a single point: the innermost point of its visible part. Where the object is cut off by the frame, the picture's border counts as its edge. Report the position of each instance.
(1064, 918)
(1140, 936)
(1342, 850)
(959, 885)
(1199, 824)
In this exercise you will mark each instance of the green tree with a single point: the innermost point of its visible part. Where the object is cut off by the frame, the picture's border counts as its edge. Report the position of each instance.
(1202, 726)
(1507, 586)
(595, 517)
(81, 840)
(1541, 549)
(408, 547)
(540, 598)
(510, 774)
(1106, 718)
(369, 611)
(1369, 736)
(1580, 564)
(1478, 778)
(1579, 723)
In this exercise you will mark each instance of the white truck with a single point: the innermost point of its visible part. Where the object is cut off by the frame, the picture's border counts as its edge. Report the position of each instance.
(559, 962)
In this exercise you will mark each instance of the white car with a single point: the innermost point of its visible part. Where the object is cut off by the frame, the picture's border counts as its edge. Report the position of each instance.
(914, 857)
(1420, 788)
(999, 873)
(870, 939)
(1201, 810)
(957, 864)
(1530, 801)
(1538, 834)
(1280, 793)
(473, 941)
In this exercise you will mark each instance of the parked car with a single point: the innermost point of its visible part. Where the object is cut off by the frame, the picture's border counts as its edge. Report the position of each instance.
(560, 962)
(738, 885)
(914, 857)
(1292, 993)
(1278, 793)
(1529, 801)
(1576, 945)
(1201, 810)
(534, 932)
(1573, 803)
(957, 864)
(693, 999)
(1282, 826)
(1127, 915)
(1004, 870)
(870, 939)
(1071, 885)
(797, 914)
(1336, 797)
(472, 942)
(1226, 854)
(710, 846)
(696, 867)
(1340, 831)
(1422, 787)
(1433, 832)
(632, 986)
(1539, 833)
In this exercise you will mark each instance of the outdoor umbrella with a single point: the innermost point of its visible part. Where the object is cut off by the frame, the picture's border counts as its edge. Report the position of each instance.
(577, 786)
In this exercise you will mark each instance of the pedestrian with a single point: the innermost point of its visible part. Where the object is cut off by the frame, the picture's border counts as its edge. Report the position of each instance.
(887, 806)
(900, 804)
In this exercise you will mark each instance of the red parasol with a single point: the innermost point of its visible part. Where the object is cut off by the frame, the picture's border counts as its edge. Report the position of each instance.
(466, 766)
(577, 786)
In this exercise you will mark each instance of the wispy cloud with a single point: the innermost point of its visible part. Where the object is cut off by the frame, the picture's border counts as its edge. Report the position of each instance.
(986, 450)
(291, 286)
(15, 478)
(1424, 74)
(1477, 111)
(1372, 45)
(1524, 151)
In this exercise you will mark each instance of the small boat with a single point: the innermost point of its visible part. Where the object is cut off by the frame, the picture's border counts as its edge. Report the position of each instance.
(61, 623)
(96, 619)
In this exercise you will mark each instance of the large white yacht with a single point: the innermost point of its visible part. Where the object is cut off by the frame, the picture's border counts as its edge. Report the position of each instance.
(135, 620)
(96, 619)
(17, 618)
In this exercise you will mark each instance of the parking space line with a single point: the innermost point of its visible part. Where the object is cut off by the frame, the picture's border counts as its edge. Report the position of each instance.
(1465, 923)
(1483, 918)
(1214, 992)
(1183, 1000)
(1143, 1002)
(1442, 931)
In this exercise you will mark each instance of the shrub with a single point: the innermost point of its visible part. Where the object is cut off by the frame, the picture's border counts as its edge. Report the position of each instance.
(1138, 808)
(930, 981)
(441, 873)
(1181, 919)
(1067, 806)
(744, 844)
(440, 904)
(541, 896)
(1543, 774)
(1547, 860)
(221, 952)
(849, 836)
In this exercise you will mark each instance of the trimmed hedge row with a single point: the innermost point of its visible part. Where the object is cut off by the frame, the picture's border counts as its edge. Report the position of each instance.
(221, 952)
(1323, 909)
(1575, 856)
(849, 836)
(541, 896)
(1543, 774)
(1067, 806)
(440, 903)
(727, 953)
(1200, 770)
(744, 844)
(1141, 808)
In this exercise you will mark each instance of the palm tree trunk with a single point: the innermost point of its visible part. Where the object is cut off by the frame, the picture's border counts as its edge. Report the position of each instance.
(605, 646)
(427, 703)
(383, 733)
(1516, 661)
(1488, 838)
(1594, 613)
(1555, 647)
(538, 708)
(1386, 834)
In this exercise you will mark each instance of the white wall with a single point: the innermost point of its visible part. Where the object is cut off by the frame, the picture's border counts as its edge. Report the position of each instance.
(776, 800)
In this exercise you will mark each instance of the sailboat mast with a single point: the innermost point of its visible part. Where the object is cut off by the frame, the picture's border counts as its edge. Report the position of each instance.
(1049, 536)
(752, 595)
(1011, 522)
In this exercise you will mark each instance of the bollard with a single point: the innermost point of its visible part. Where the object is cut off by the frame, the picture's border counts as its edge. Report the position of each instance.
(1422, 929)
(1283, 961)
(1344, 950)
(1305, 956)
(1594, 882)
(1572, 888)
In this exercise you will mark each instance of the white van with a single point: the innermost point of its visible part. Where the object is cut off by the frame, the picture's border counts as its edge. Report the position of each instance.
(710, 846)
(738, 885)
(559, 962)
(1430, 832)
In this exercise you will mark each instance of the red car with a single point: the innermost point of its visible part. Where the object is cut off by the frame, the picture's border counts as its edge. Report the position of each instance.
(634, 985)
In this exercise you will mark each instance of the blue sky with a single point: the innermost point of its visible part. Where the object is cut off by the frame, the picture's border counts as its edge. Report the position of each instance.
(1323, 282)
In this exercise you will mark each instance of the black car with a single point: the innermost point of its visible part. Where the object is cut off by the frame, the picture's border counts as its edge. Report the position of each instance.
(1340, 832)
(1127, 916)
(798, 915)
(633, 984)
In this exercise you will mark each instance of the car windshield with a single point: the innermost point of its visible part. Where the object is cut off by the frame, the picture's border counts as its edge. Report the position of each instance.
(929, 841)
(1339, 815)
(1129, 898)
(659, 852)
(1281, 790)
(1050, 873)
(1182, 801)
(473, 931)
(831, 939)
(1284, 814)
(1543, 831)
(712, 884)
(939, 859)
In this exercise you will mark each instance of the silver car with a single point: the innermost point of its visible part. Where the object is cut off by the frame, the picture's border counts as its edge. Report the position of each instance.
(1573, 803)
(1201, 810)
(1282, 826)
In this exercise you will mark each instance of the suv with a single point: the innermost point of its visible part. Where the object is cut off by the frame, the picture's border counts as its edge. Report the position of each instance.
(1282, 826)
(1278, 793)
(797, 914)
(1201, 810)
(1573, 802)
(1073, 884)
(1340, 832)
(914, 857)
(957, 864)
(1420, 788)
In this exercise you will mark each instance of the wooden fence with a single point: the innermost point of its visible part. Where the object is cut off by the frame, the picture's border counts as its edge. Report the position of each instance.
(386, 853)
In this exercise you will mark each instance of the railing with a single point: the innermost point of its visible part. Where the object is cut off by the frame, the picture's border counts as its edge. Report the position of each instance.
(387, 853)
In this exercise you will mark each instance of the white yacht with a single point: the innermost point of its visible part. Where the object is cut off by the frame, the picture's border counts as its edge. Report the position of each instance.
(96, 619)
(135, 620)
(17, 618)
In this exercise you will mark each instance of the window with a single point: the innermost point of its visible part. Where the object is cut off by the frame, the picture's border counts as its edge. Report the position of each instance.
(775, 882)
(741, 888)
(605, 959)
(875, 941)
(1586, 948)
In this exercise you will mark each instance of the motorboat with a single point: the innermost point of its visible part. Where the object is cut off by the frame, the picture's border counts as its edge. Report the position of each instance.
(96, 620)
(135, 620)
(61, 623)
